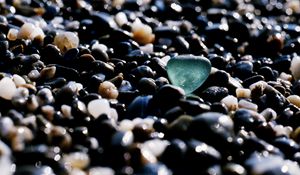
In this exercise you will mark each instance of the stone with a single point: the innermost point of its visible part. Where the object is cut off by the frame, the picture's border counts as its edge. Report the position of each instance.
(66, 40)
(7, 88)
(98, 107)
(188, 71)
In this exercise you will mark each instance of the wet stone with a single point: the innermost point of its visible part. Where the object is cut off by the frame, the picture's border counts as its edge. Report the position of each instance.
(214, 94)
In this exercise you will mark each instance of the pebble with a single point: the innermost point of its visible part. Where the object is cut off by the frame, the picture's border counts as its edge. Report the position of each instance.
(142, 33)
(30, 31)
(247, 105)
(149, 87)
(101, 171)
(294, 99)
(243, 93)
(98, 107)
(18, 80)
(12, 34)
(156, 146)
(108, 90)
(7, 88)
(231, 102)
(78, 160)
(294, 67)
(66, 40)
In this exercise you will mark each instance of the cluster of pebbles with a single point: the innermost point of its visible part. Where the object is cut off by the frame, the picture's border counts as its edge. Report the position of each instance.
(84, 88)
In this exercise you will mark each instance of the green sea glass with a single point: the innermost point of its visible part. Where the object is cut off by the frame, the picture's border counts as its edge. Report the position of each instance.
(188, 71)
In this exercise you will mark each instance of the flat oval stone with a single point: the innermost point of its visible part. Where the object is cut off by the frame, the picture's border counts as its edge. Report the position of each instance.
(188, 71)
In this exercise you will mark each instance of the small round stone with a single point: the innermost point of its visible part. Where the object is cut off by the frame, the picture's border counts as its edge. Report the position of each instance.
(78, 160)
(30, 31)
(231, 102)
(66, 40)
(142, 33)
(18, 80)
(7, 88)
(108, 90)
(247, 105)
(98, 107)
(101, 171)
(243, 93)
(12, 34)
(48, 72)
(294, 68)
(294, 99)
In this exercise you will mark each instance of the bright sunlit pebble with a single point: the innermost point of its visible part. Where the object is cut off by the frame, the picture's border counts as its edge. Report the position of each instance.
(294, 68)
(142, 33)
(231, 102)
(294, 99)
(18, 80)
(66, 40)
(101, 171)
(7, 88)
(30, 31)
(121, 18)
(247, 105)
(108, 90)
(12, 34)
(98, 107)
(243, 93)
(78, 160)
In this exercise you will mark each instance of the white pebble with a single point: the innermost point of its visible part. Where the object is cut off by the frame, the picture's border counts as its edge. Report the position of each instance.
(18, 80)
(101, 47)
(243, 93)
(66, 110)
(137, 121)
(231, 102)
(156, 146)
(121, 18)
(66, 40)
(285, 76)
(48, 111)
(5, 160)
(78, 160)
(260, 84)
(148, 48)
(21, 92)
(149, 122)
(269, 114)
(114, 114)
(108, 90)
(76, 171)
(165, 59)
(295, 67)
(294, 99)
(7, 88)
(282, 130)
(98, 107)
(48, 72)
(126, 125)
(247, 105)
(148, 156)
(142, 33)
(79, 87)
(101, 171)
(6, 126)
(34, 74)
(12, 34)
(293, 6)
(30, 31)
